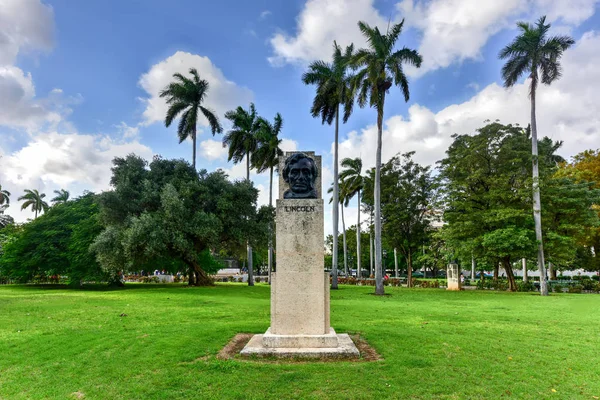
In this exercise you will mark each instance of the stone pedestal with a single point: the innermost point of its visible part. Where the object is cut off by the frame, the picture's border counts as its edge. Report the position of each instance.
(300, 323)
(453, 277)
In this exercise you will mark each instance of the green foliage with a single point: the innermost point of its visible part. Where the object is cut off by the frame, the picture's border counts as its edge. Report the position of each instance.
(56, 243)
(169, 217)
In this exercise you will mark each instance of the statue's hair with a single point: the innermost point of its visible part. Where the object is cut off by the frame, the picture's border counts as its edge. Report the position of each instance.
(294, 158)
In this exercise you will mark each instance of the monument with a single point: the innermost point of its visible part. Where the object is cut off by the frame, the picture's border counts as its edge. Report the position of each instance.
(453, 277)
(300, 286)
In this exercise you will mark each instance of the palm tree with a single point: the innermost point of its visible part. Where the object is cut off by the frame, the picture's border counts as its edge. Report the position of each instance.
(534, 54)
(380, 67)
(242, 140)
(266, 156)
(343, 202)
(4, 196)
(185, 97)
(333, 90)
(62, 196)
(351, 177)
(5, 219)
(35, 200)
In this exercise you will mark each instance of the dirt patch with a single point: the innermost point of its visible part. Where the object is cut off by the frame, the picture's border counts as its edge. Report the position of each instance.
(235, 345)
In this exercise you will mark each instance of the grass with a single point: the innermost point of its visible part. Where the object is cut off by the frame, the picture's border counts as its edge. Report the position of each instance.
(63, 343)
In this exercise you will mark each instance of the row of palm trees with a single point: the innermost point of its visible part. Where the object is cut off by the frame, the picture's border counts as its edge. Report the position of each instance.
(251, 138)
(365, 76)
(33, 199)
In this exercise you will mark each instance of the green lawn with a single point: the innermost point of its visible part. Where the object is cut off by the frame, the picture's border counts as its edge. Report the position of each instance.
(61, 343)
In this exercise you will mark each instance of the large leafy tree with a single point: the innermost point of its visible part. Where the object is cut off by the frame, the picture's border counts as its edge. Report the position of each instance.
(62, 196)
(242, 140)
(35, 200)
(57, 243)
(4, 196)
(536, 55)
(169, 216)
(266, 157)
(487, 185)
(333, 90)
(381, 66)
(352, 179)
(406, 201)
(185, 97)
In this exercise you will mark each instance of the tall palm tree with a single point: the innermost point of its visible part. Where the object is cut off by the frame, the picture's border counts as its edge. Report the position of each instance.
(343, 202)
(4, 196)
(380, 67)
(334, 89)
(351, 177)
(533, 53)
(266, 156)
(35, 200)
(242, 140)
(62, 196)
(185, 96)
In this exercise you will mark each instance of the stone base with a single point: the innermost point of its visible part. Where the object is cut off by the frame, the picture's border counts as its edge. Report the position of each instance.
(300, 341)
(344, 349)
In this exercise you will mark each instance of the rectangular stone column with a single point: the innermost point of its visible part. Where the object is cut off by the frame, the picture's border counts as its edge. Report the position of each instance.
(300, 289)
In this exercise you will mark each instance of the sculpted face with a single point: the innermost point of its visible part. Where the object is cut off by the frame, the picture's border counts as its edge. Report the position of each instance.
(300, 173)
(301, 177)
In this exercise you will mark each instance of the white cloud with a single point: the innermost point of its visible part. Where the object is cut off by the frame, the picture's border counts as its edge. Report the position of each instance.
(569, 110)
(128, 132)
(213, 150)
(473, 85)
(571, 12)
(319, 24)
(264, 14)
(223, 95)
(19, 108)
(53, 161)
(25, 25)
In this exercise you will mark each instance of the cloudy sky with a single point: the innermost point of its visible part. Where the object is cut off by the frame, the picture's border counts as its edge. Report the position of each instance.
(79, 80)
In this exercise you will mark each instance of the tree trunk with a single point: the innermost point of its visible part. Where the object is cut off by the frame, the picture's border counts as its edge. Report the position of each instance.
(358, 237)
(496, 268)
(551, 271)
(524, 264)
(512, 285)
(191, 277)
(200, 277)
(270, 255)
(371, 254)
(335, 202)
(396, 262)
(409, 270)
(344, 242)
(194, 148)
(248, 246)
(250, 269)
(472, 268)
(379, 288)
(537, 203)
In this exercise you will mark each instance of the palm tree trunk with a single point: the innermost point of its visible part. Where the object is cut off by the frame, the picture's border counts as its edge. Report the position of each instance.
(36, 211)
(409, 278)
(248, 247)
(472, 267)
(335, 202)
(396, 262)
(537, 203)
(358, 237)
(194, 148)
(345, 246)
(524, 263)
(370, 254)
(379, 288)
(270, 255)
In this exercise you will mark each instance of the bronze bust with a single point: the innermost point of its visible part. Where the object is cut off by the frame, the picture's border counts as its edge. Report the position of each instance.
(300, 173)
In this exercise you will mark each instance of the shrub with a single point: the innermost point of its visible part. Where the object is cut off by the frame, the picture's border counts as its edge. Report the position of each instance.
(240, 279)
(257, 279)
(575, 289)
(597, 288)
(525, 286)
(588, 284)
(557, 288)
(596, 278)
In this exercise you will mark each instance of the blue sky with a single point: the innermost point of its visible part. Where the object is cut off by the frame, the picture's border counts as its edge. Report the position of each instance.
(79, 79)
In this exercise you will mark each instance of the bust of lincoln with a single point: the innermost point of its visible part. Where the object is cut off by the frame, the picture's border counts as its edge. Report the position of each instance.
(300, 173)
